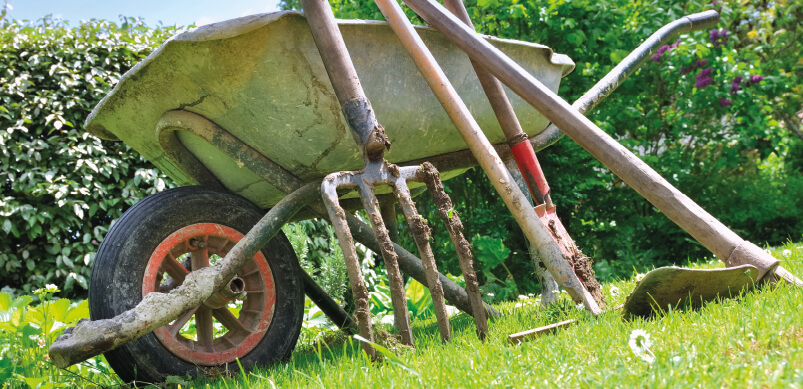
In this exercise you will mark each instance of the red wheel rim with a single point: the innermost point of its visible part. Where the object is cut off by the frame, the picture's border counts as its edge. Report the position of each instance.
(222, 336)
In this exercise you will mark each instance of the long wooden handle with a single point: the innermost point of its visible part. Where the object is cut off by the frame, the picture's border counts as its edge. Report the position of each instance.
(678, 207)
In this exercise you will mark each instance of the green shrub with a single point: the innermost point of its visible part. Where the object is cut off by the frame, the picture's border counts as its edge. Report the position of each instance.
(61, 187)
(718, 147)
(26, 333)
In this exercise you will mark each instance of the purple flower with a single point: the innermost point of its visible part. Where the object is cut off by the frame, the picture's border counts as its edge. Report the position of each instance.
(714, 35)
(685, 70)
(700, 63)
(659, 53)
(755, 79)
(718, 37)
(705, 73)
(703, 79)
(735, 87)
(675, 45)
(723, 37)
(703, 82)
(725, 102)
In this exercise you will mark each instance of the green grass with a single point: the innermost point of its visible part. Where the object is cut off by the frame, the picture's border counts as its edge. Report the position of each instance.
(755, 340)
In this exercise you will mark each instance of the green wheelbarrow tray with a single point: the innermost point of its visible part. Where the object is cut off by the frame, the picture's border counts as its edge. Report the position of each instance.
(261, 79)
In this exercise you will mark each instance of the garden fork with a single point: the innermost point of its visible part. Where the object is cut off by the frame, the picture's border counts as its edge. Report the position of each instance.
(370, 135)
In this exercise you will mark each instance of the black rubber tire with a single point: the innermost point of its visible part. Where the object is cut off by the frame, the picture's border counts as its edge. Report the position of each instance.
(118, 271)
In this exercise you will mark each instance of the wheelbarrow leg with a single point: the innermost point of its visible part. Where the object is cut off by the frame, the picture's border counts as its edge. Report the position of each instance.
(327, 304)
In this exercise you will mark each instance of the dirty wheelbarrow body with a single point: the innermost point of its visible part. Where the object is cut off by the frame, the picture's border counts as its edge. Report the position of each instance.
(245, 109)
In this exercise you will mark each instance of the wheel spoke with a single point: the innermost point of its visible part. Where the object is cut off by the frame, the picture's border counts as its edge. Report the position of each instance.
(233, 324)
(174, 328)
(203, 327)
(200, 258)
(221, 248)
(175, 269)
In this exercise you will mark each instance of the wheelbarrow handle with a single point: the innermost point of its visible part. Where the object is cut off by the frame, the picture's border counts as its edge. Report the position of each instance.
(630, 64)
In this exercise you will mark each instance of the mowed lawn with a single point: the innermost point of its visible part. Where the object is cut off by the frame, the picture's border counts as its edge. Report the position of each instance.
(754, 340)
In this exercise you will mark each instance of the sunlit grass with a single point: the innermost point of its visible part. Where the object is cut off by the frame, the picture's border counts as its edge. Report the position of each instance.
(755, 340)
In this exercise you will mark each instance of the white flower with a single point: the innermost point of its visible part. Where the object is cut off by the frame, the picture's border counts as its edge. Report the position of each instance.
(523, 297)
(614, 291)
(640, 276)
(640, 343)
(49, 288)
(787, 253)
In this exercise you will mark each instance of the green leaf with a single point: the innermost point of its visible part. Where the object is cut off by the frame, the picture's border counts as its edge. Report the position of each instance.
(7, 226)
(78, 312)
(59, 309)
(5, 301)
(21, 301)
(491, 252)
(618, 55)
(34, 382)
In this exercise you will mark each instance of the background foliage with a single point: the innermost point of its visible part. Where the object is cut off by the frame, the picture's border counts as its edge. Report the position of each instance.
(61, 187)
(734, 147)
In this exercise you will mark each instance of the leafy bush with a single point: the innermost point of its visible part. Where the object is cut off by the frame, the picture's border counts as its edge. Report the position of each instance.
(26, 333)
(731, 140)
(722, 142)
(61, 187)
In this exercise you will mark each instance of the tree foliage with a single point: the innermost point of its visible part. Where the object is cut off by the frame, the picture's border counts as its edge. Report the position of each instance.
(61, 187)
(716, 113)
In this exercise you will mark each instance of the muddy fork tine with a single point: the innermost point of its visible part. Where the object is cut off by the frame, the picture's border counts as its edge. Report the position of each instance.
(397, 296)
(420, 231)
(338, 218)
(453, 224)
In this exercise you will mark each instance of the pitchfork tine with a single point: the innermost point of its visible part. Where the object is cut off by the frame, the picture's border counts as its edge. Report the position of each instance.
(397, 296)
(420, 231)
(338, 218)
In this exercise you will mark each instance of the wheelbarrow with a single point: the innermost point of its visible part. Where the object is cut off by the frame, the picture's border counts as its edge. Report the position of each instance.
(253, 113)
